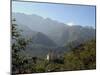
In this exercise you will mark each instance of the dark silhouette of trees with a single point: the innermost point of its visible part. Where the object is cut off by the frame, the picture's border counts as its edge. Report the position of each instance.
(18, 44)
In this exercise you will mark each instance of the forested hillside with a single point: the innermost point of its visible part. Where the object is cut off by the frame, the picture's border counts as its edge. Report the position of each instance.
(81, 57)
(48, 34)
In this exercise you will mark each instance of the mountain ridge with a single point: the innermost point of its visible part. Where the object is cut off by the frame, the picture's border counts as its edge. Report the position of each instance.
(57, 34)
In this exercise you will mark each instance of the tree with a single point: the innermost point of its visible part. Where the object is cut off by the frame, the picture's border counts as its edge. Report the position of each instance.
(82, 57)
(18, 44)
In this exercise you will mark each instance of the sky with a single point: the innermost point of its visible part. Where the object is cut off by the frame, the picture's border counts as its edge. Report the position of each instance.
(69, 14)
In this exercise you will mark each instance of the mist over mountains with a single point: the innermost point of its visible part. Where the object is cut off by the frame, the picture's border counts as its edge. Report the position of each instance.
(47, 33)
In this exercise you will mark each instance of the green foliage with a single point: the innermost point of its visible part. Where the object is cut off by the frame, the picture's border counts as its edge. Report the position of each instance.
(81, 57)
(72, 62)
(18, 44)
(40, 67)
(52, 67)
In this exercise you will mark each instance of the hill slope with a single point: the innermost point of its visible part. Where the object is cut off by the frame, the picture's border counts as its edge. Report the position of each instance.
(81, 57)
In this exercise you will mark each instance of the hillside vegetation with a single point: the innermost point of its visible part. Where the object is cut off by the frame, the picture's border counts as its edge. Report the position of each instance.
(80, 57)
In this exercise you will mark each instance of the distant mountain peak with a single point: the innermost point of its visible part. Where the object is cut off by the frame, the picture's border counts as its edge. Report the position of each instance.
(58, 32)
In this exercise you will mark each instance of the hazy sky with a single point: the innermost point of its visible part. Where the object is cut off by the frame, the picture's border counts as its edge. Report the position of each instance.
(69, 14)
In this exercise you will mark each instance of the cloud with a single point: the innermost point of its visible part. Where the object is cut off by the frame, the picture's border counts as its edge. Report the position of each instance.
(70, 23)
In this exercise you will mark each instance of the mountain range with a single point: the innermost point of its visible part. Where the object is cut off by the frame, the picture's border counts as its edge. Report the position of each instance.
(50, 34)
